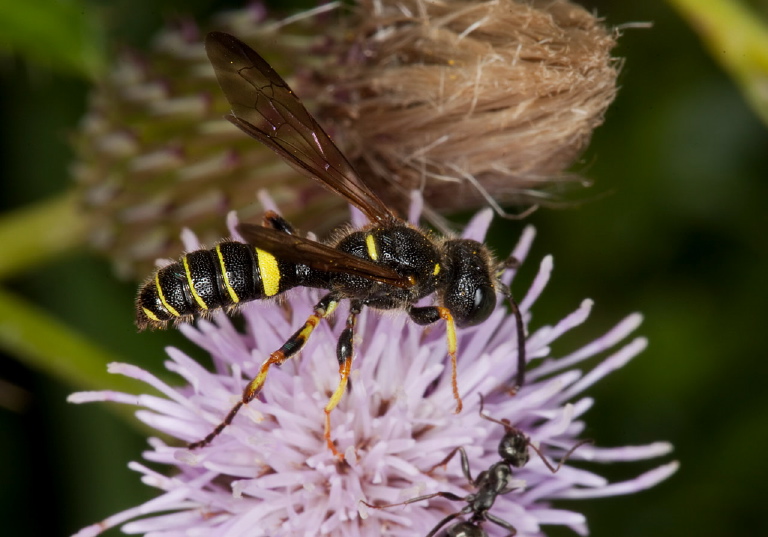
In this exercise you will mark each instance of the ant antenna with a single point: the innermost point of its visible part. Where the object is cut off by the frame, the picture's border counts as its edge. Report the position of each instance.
(555, 469)
(509, 428)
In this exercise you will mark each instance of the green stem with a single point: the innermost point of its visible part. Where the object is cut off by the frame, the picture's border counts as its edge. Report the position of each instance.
(738, 39)
(36, 233)
(47, 345)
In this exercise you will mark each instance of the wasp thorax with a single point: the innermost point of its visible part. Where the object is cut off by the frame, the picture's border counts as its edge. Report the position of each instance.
(469, 290)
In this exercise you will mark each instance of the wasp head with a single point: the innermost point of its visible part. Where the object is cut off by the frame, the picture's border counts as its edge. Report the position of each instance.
(469, 291)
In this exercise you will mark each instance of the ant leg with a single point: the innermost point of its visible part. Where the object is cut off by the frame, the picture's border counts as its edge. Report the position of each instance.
(432, 314)
(443, 522)
(447, 495)
(464, 463)
(275, 221)
(446, 460)
(294, 344)
(503, 523)
(465, 466)
(446, 520)
(344, 354)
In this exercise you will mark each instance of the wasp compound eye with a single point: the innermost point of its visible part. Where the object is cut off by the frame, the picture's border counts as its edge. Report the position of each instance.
(469, 291)
(485, 302)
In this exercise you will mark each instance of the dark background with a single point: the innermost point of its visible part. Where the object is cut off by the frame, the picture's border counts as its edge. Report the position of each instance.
(676, 229)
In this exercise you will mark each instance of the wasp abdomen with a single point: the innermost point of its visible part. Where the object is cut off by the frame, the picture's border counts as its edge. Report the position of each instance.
(206, 280)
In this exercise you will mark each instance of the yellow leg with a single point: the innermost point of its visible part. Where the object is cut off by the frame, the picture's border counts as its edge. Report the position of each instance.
(450, 334)
(344, 354)
(289, 349)
(431, 314)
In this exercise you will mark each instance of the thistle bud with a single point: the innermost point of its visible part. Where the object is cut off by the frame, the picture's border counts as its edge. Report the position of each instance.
(471, 101)
(156, 155)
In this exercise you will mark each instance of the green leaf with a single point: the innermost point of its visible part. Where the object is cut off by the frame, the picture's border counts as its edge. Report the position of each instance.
(48, 345)
(738, 40)
(37, 233)
(61, 35)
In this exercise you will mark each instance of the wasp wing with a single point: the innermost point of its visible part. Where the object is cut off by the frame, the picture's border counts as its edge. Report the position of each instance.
(317, 255)
(264, 107)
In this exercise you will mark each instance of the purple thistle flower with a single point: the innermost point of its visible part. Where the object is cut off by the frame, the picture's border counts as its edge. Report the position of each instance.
(271, 473)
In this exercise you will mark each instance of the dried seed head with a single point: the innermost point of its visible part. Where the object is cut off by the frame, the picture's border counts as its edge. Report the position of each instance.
(463, 97)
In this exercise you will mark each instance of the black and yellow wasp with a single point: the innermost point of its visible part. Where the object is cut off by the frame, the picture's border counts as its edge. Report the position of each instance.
(387, 264)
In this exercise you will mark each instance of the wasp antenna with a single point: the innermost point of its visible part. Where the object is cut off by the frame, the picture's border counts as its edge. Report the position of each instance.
(510, 263)
(517, 216)
(521, 358)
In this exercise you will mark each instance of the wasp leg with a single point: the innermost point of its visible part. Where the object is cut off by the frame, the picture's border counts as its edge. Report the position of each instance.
(344, 354)
(432, 314)
(294, 344)
(275, 221)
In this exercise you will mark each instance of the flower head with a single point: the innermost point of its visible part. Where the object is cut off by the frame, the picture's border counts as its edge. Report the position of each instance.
(271, 473)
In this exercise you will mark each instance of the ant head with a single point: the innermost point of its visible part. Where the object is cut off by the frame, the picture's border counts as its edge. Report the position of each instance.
(469, 291)
(513, 448)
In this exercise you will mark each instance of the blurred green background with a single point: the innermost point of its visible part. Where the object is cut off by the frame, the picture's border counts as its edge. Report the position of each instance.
(675, 228)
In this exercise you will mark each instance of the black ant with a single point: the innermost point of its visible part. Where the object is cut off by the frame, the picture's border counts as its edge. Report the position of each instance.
(490, 484)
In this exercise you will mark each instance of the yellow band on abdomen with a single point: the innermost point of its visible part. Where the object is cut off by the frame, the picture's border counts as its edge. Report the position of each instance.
(223, 265)
(161, 296)
(191, 282)
(270, 272)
